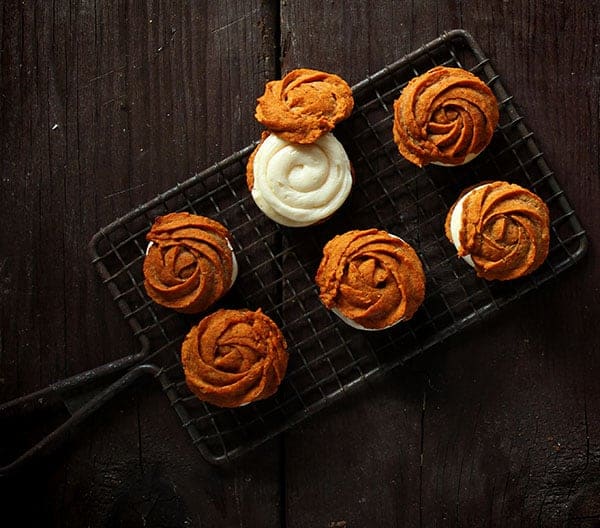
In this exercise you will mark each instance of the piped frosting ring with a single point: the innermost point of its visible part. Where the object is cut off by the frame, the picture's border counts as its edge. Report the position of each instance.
(299, 185)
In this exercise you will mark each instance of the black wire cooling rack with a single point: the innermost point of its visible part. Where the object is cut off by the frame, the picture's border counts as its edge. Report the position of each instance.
(278, 264)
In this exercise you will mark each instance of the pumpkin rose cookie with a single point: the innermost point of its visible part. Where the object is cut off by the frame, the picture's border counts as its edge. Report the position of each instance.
(371, 279)
(304, 105)
(189, 263)
(501, 229)
(445, 116)
(234, 357)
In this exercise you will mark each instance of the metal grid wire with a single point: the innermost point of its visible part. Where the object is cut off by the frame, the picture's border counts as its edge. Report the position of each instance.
(278, 264)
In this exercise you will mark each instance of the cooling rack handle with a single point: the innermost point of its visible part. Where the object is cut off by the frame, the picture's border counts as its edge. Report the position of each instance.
(63, 431)
(49, 395)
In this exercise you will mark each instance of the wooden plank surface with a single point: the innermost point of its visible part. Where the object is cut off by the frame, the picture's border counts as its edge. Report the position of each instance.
(105, 104)
(494, 428)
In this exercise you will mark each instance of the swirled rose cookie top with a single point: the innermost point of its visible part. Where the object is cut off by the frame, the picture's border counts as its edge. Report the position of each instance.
(234, 357)
(445, 116)
(189, 264)
(501, 229)
(304, 105)
(371, 277)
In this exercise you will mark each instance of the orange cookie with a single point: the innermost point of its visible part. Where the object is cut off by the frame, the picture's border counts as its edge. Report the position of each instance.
(501, 229)
(446, 116)
(371, 279)
(189, 264)
(234, 357)
(304, 105)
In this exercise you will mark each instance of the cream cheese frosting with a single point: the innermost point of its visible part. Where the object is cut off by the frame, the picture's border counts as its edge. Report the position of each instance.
(456, 224)
(468, 158)
(297, 185)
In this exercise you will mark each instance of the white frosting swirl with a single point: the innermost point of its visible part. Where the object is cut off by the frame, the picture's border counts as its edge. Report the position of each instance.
(298, 185)
(456, 223)
(468, 157)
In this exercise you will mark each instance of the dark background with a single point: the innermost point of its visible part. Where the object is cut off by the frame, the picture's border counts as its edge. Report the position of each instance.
(103, 105)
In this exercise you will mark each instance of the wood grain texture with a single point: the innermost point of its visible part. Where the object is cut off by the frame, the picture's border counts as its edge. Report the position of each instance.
(497, 427)
(106, 104)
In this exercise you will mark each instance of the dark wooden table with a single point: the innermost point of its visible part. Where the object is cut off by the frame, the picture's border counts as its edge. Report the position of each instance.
(105, 104)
